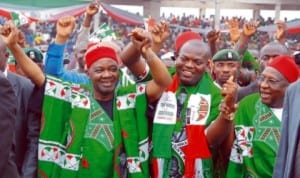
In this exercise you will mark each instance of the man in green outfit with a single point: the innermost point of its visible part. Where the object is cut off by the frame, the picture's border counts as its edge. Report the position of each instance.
(257, 122)
(98, 133)
(187, 122)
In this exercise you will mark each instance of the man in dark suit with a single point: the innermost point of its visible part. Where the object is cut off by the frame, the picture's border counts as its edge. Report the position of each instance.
(8, 110)
(288, 156)
(26, 125)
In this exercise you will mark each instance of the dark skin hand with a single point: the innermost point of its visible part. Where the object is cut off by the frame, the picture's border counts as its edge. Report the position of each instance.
(229, 99)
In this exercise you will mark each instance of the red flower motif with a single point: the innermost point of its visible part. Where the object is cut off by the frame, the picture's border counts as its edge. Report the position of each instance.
(124, 134)
(51, 83)
(85, 163)
(62, 92)
(85, 102)
(141, 88)
(132, 96)
(119, 103)
(69, 156)
(43, 153)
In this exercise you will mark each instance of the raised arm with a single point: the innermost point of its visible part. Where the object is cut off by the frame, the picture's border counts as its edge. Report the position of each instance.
(160, 76)
(249, 29)
(131, 56)
(212, 37)
(234, 31)
(281, 32)
(10, 36)
(55, 53)
(83, 36)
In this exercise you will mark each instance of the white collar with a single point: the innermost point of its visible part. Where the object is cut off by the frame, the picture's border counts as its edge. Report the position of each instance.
(5, 72)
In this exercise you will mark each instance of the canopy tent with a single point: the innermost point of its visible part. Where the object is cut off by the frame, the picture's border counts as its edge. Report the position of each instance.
(122, 16)
(41, 14)
(46, 4)
(293, 27)
(53, 14)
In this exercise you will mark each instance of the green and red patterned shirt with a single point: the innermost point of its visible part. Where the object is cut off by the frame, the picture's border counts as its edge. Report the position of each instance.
(257, 132)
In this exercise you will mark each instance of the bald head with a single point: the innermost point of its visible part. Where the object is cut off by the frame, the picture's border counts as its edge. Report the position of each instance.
(270, 51)
(274, 48)
(199, 46)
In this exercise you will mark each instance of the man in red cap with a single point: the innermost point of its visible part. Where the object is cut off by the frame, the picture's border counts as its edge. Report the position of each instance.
(258, 119)
(187, 122)
(96, 132)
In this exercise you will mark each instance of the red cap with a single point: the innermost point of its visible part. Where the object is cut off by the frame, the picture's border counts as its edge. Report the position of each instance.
(286, 66)
(185, 37)
(96, 52)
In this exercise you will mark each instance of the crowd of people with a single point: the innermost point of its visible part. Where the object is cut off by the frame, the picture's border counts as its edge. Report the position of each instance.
(214, 108)
(43, 32)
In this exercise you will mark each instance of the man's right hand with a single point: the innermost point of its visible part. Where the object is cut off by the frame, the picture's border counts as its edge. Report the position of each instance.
(64, 27)
(229, 91)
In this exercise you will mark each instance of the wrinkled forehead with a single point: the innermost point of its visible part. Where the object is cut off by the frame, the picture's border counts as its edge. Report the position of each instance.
(272, 72)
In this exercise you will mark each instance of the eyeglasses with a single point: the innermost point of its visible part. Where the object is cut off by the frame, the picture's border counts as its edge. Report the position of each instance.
(271, 82)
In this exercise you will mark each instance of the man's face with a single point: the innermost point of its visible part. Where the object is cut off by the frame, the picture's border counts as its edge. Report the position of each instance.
(266, 59)
(272, 87)
(79, 55)
(268, 53)
(224, 69)
(104, 76)
(191, 64)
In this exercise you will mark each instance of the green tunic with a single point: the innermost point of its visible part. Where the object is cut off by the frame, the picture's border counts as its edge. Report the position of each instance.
(257, 132)
(78, 139)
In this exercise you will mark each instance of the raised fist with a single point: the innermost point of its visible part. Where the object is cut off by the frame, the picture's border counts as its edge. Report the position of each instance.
(212, 36)
(65, 26)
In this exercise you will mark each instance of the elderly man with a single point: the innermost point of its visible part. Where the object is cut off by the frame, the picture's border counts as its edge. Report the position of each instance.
(98, 133)
(267, 54)
(257, 122)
